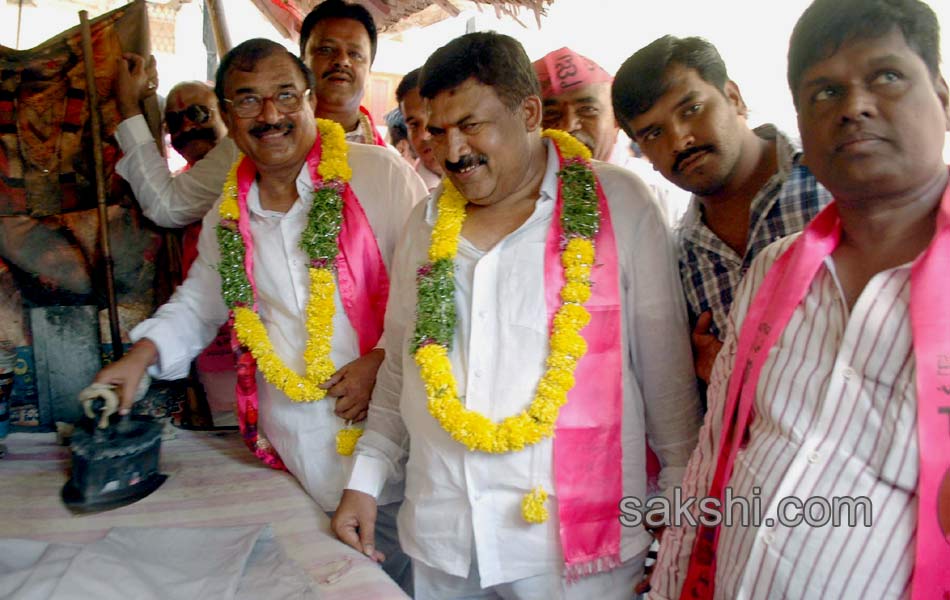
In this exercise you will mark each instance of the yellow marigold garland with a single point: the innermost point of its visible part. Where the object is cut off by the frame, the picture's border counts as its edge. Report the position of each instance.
(435, 329)
(335, 171)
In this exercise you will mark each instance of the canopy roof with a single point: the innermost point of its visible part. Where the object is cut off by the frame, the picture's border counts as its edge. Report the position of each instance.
(394, 15)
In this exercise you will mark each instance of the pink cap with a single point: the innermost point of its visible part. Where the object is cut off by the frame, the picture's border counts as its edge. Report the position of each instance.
(563, 70)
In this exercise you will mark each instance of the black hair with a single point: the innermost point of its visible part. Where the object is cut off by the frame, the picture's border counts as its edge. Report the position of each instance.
(338, 9)
(641, 80)
(408, 83)
(397, 126)
(827, 24)
(493, 59)
(244, 57)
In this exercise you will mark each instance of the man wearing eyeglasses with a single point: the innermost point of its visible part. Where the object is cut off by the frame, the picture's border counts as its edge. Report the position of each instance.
(337, 42)
(266, 101)
(192, 120)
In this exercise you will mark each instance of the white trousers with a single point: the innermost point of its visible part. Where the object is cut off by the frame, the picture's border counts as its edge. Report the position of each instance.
(618, 584)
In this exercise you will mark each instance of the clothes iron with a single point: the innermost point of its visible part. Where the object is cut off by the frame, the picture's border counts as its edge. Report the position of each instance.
(115, 458)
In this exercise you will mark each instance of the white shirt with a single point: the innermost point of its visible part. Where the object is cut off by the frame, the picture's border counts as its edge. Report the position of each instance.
(456, 500)
(430, 179)
(673, 200)
(170, 200)
(835, 416)
(304, 434)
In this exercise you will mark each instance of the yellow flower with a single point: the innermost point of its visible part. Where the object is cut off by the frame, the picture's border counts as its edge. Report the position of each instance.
(472, 429)
(346, 439)
(569, 146)
(229, 207)
(333, 152)
(532, 506)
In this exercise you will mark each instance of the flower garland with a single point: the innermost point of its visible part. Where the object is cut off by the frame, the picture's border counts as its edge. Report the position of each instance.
(435, 320)
(319, 243)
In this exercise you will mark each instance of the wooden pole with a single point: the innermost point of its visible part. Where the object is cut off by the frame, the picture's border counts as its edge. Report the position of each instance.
(95, 125)
(222, 39)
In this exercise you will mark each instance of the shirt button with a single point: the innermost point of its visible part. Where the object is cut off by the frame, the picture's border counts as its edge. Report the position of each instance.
(768, 538)
(476, 496)
(482, 314)
(478, 374)
(813, 456)
(848, 373)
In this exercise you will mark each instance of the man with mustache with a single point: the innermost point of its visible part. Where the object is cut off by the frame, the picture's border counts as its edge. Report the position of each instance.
(834, 381)
(535, 338)
(337, 42)
(295, 254)
(675, 100)
(576, 95)
(416, 114)
(192, 120)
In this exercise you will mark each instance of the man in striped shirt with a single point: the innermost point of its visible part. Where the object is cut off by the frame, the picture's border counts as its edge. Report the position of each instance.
(841, 406)
(675, 99)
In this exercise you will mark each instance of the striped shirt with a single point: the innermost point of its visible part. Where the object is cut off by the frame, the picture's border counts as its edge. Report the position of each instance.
(835, 416)
(709, 268)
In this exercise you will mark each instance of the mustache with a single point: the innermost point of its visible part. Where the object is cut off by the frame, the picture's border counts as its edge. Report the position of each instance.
(682, 156)
(261, 129)
(336, 70)
(469, 160)
(184, 138)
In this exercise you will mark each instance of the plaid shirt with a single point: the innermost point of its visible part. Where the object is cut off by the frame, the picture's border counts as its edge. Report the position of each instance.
(709, 268)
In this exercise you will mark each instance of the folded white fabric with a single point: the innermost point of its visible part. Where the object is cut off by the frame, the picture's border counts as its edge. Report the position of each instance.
(154, 564)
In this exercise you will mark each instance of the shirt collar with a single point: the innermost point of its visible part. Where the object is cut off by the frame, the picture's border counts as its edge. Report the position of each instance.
(548, 191)
(304, 194)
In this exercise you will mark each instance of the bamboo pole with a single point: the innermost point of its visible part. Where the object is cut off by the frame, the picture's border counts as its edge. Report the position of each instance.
(95, 126)
(222, 39)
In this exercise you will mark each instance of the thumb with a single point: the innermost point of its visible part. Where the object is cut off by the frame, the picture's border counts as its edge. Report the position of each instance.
(703, 323)
(333, 380)
(367, 537)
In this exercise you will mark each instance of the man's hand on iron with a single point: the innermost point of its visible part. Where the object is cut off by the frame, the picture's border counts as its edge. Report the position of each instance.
(354, 523)
(126, 373)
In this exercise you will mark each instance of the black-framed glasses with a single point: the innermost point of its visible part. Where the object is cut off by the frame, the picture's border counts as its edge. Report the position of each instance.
(248, 106)
(196, 113)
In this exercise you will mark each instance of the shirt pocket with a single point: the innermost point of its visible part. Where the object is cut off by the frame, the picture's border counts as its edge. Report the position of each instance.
(521, 291)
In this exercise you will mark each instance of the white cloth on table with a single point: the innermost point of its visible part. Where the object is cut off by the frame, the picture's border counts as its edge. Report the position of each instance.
(456, 500)
(304, 433)
(225, 563)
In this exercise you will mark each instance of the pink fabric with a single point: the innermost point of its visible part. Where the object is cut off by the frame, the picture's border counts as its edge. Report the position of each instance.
(565, 70)
(363, 285)
(377, 139)
(360, 270)
(783, 289)
(588, 457)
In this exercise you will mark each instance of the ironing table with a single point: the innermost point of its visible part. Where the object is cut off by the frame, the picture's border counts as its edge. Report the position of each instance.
(213, 481)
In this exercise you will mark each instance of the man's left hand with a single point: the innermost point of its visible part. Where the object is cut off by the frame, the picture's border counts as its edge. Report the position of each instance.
(353, 385)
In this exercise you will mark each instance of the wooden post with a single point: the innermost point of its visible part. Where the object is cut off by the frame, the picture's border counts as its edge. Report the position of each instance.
(222, 38)
(95, 125)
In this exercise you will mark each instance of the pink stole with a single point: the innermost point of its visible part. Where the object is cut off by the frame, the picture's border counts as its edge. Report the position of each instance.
(377, 139)
(588, 458)
(784, 287)
(361, 279)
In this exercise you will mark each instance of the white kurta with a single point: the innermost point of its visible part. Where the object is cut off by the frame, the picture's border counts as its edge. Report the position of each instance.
(459, 502)
(303, 433)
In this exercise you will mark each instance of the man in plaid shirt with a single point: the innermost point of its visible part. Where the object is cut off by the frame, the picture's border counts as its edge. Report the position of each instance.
(675, 99)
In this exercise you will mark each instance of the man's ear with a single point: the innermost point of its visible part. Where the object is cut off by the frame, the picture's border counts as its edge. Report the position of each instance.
(312, 100)
(533, 111)
(944, 94)
(732, 93)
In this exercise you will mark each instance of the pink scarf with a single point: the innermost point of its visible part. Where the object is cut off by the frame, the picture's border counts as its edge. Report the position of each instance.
(777, 298)
(588, 458)
(361, 279)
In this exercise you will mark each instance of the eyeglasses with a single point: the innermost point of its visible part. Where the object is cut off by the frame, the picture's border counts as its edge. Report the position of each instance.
(248, 106)
(196, 113)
